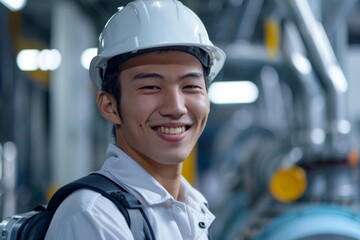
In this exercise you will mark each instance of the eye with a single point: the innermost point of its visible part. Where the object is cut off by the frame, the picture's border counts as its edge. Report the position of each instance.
(149, 89)
(193, 88)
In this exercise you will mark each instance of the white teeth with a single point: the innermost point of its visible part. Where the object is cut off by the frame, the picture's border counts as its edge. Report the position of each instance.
(171, 131)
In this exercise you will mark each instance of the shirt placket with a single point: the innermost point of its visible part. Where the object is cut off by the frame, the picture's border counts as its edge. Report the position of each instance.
(182, 219)
(200, 223)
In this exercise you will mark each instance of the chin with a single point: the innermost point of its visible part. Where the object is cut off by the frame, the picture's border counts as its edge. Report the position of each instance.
(173, 156)
(171, 160)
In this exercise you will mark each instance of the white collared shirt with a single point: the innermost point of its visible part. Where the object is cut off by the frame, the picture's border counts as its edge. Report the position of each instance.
(88, 215)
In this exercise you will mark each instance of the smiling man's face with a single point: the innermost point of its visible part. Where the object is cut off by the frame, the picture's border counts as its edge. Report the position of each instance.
(164, 107)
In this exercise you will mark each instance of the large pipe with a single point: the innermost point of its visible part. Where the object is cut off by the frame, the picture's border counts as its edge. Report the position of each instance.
(331, 76)
(310, 132)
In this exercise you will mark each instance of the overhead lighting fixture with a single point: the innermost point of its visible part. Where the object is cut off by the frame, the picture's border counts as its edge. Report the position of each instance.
(27, 59)
(86, 57)
(34, 59)
(14, 5)
(233, 92)
(49, 59)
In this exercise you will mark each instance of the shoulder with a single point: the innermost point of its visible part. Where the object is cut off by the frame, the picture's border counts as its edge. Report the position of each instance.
(86, 214)
(84, 201)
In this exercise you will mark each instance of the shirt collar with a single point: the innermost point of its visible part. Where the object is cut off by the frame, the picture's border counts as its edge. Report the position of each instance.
(127, 172)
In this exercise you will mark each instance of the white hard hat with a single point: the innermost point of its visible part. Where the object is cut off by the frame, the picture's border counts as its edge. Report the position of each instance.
(144, 25)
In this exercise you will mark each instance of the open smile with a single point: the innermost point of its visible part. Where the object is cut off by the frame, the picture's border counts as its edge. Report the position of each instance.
(171, 130)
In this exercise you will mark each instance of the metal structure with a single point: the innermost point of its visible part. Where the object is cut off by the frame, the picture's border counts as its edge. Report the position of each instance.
(300, 181)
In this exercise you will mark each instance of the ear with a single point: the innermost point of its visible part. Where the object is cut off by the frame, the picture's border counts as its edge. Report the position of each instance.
(108, 108)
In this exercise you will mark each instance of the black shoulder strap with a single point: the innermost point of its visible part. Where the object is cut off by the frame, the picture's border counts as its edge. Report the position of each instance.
(127, 203)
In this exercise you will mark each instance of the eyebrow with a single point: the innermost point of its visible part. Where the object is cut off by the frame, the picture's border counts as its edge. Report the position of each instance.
(157, 75)
(147, 75)
(193, 75)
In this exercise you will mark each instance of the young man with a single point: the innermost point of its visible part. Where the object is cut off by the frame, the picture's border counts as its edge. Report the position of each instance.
(153, 66)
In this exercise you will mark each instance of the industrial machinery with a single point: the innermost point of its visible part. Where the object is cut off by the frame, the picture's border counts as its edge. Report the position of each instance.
(295, 175)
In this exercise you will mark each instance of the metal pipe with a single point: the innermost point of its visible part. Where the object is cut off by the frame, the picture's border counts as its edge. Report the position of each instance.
(331, 76)
(249, 17)
(310, 97)
(9, 153)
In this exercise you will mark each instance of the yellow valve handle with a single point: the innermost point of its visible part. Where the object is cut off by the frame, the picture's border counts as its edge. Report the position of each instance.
(272, 34)
(288, 184)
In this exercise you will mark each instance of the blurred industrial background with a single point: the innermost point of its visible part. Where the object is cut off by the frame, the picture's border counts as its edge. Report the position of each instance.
(279, 157)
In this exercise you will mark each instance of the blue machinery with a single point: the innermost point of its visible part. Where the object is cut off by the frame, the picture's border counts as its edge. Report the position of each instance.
(295, 181)
(311, 221)
(314, 222)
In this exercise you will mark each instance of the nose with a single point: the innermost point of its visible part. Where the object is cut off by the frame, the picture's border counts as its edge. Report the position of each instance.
(173, 104)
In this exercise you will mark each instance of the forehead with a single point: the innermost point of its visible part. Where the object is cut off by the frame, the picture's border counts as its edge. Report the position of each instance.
(164, 57)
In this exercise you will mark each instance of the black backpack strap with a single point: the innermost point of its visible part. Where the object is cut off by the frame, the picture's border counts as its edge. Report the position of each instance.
(127, 203)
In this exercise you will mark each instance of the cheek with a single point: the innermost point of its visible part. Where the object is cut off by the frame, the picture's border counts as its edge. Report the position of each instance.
(137, 110)
(201, 108)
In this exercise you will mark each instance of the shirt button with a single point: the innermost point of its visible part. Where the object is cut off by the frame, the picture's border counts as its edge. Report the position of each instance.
(178, 209)
(202, 225)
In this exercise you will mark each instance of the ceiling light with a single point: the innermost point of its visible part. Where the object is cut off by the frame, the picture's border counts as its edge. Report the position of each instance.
(27, 59)
(86, 57)
(49, 59)
(233, 92)
(14, 5)
(34, 59)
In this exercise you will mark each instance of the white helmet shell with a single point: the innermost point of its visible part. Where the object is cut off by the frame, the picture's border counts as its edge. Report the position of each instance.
(147, 24)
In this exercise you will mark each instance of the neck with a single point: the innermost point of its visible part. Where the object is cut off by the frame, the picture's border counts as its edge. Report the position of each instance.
(168, 175)
(169, 179)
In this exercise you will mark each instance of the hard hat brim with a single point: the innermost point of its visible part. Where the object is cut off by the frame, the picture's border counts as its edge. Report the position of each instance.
(99, 63)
